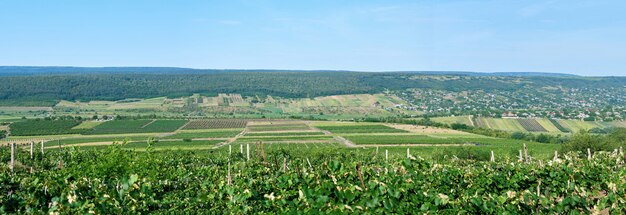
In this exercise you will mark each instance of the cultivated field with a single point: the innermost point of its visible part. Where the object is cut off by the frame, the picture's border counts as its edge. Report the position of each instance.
(88, 124)
(531, 125)
(277, 126)
(453, 119)
(137, 126)
(355, 128)
(44, 127)
(208, 133)
(215, 124)
(577, 125)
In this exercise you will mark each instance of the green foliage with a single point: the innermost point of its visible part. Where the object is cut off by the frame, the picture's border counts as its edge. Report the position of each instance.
(118, 181)
(464, 152)
(45, 89)
(584, 140)
(458, 126)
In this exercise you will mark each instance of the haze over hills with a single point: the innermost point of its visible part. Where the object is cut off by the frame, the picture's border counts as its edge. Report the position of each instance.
(38, 70)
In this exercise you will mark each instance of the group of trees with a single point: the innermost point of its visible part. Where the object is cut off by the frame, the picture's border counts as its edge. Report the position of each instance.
(584, 140)
(45, 89)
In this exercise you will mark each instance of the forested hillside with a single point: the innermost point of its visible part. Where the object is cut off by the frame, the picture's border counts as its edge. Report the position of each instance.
(46, 89)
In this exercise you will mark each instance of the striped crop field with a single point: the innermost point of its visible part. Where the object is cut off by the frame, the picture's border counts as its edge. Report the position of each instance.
(502, 124)
(577, 125)
(531, 125)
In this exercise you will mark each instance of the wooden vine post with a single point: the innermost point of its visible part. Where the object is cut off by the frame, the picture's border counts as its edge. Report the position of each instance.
(263, 153)
(556, 156)
(32, 143)
(228, 178)
(42, 147)
(520, 156)
(358, 171)
(309, 162)
(386, 154)
(230, 150)
(526, 154)
(12, 156)
(408, 153)
(588, 154)
(248, 151)
(241, 149)
(493, 159)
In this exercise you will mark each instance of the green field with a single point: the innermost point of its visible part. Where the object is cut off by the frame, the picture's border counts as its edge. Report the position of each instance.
(511, 125)
(453, 119)
(222, 133)
(284, 134)
(577, 125)
(285, 138)
(215, 124)
(87, 139)
(44, 127)
(548, 125)
(88, 124)
(423, 139)
(355, 128)
(160, 145)
(279, 127)
(137, 126)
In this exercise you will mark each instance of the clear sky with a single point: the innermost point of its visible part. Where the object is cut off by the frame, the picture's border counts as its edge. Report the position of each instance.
(568, 36)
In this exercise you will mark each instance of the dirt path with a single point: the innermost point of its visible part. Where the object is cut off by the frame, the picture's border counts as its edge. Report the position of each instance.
(471, 121)
(346, 142)
(181, 127)
(231, 140)
(154, 120)
(317, 129)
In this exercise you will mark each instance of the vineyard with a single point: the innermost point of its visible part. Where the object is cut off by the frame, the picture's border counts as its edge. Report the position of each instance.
(559, 126)
(44, 127)
(215, 124)
(278, 126)
(213, 133)
(531, 125)
(281, 179)
(360, 129)
(137, 126)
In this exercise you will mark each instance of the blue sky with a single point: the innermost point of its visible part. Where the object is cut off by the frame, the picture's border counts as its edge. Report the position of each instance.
(568, 36)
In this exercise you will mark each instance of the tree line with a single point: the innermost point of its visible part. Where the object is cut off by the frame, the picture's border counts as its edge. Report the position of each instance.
(36, 90)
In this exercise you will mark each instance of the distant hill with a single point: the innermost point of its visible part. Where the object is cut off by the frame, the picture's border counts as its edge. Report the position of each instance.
(519, 74)
(43, 86)
(39, 70)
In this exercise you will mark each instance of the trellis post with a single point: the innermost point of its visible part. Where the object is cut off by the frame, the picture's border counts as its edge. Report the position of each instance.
(248, 151)
(31, 149)
(386, 154)
(12, 156)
